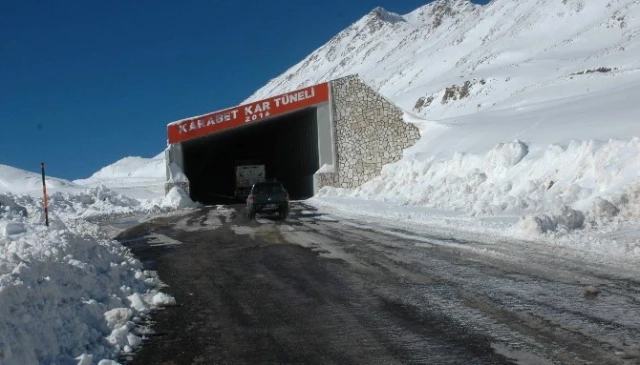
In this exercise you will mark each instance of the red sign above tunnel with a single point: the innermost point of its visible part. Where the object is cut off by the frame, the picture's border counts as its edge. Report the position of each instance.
(248, 113)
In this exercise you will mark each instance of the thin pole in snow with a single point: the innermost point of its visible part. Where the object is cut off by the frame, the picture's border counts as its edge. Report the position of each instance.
(44, 194)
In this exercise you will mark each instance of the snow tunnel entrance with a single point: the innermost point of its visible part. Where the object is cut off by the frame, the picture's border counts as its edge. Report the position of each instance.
(286, 145)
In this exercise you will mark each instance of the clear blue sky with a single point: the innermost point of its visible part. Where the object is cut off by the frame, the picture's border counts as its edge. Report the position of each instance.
(85, 83)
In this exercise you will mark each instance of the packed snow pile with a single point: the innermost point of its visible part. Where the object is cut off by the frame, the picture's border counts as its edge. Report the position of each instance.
(69, 294)
(66, 290)
(101, 203)
(582, 184)
(177, 198)
(95, 203)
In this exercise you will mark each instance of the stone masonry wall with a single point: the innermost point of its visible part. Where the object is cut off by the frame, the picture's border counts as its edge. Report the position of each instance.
(370, 132)
(326, 179)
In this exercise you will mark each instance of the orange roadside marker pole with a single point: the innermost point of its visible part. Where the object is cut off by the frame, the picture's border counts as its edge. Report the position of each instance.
(44, 194)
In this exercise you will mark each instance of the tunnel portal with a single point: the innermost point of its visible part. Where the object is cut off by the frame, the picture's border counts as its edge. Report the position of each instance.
(286, 145)
(335, 134)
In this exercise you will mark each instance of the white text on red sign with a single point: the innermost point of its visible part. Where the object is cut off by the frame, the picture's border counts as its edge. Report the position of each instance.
(252, 112)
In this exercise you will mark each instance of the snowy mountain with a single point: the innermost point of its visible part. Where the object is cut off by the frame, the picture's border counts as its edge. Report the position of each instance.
(451, 58)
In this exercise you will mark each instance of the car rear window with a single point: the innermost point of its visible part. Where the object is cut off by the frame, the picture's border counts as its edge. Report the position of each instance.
(268, 188)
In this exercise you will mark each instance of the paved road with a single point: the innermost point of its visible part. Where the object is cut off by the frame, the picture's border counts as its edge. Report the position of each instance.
(314, 290)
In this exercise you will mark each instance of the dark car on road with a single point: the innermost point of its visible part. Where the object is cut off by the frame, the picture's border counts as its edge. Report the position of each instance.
(268, 197)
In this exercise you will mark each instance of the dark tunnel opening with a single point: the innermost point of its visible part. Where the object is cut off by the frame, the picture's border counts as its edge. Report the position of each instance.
(287, 146)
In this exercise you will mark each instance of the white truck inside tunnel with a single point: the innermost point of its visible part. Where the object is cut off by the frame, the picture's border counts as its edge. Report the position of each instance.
(292, 147)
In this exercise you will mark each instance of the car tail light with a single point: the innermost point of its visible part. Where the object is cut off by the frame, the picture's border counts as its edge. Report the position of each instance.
(251, 198)
(286, 195)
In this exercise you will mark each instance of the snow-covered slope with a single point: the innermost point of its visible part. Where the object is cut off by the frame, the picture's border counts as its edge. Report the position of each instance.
(24, 182)
(134, 176)
(508, 53)
(129, 171)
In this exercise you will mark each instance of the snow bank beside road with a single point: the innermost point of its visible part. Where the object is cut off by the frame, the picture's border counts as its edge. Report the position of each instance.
(66, 290)
(500, 235)
(69, 294)
(96, 204)
(102, 203)
(177, 198)
(589, 186)
(596, 182)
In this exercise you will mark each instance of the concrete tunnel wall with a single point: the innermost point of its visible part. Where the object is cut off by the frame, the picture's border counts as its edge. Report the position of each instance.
(358, 131)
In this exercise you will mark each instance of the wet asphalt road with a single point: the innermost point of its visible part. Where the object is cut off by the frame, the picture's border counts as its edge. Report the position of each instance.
(315, 290)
